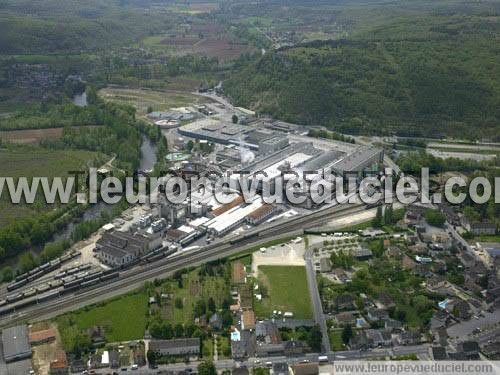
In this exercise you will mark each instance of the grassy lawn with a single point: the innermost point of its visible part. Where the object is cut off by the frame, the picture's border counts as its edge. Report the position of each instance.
(123, 318)
(223, 347)
(207, 348)
(142, 99)
(288, 291)
(336, 340)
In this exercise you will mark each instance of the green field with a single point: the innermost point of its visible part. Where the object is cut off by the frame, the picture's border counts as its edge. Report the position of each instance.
(30, 161)
(123, 318)
(288, 291)
(35, 161)
(142, 99)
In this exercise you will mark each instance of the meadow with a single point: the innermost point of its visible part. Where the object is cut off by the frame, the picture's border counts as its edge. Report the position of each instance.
(287, 291)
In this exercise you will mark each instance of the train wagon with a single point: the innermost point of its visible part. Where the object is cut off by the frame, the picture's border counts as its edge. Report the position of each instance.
(29, 293)
(71, 284)
(6, 310)
(109, 276)
(14, 298)
(25, 303)
(17, 284)
(86, 284)
(68, 289)
(48, 296)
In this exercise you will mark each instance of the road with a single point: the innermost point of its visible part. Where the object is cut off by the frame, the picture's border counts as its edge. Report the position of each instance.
(135, 277)
(391, 164)
(226, 364)
(319, 316)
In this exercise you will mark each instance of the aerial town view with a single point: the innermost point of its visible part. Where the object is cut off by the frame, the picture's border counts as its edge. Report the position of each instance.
(249, 187)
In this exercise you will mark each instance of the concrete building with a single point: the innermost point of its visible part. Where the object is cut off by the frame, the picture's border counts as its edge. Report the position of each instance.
(119, 248)
(15, 343)
(177, 347)
(362, 160)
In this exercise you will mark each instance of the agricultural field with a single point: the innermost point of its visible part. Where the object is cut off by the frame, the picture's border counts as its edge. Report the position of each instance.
(32, 136)
(30, 161)
(287, 290)
(118, 325)
(142, 99)
(220, 47)
(208, 39)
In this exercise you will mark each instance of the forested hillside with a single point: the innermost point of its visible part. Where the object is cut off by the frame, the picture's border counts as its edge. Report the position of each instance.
(433, 74)
(69, 26)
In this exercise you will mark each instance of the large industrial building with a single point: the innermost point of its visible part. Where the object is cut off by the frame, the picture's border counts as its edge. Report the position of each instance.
(264, 153)
(15, 343)
(119, 248)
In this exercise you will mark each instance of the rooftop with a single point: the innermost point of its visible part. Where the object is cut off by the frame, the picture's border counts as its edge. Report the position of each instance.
(15, 343)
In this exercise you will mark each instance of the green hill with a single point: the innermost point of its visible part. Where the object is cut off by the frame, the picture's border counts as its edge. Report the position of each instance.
(432, 75)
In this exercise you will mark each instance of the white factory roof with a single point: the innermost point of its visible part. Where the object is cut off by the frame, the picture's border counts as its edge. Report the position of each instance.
(234, 215)
(186, 229)
(209, 198)
(198, 221)
(294, 160)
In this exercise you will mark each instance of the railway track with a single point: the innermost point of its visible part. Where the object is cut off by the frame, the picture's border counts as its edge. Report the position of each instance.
(135, 277)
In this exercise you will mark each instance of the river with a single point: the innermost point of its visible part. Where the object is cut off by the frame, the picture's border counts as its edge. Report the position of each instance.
(148, 154)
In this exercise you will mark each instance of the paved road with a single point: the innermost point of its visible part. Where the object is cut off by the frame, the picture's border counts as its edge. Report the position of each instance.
(226, 364)
(391, 164)
(319, 316)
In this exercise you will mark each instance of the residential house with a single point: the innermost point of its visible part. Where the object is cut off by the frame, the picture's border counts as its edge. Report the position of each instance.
(345, 318)
(376, 315)
(385, 301)
(215, 322)
(176, 347)
(267, 331)
(378, 338)
(59, 365)
(360, 341)
(280, 368)
(248, 320)
(240, 371)
(344, 302)
(392, 325)
(460, 309)
(139, 356)
(362, 254)
(439, 353)
(470, 349)
(305, 369)
(114, 359)
(409, 338)
(269, 349)
(294, 348)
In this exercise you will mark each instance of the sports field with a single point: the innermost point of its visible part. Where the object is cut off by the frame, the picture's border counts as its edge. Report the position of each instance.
(287, 290)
